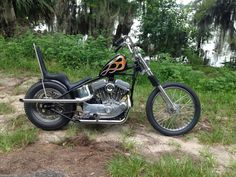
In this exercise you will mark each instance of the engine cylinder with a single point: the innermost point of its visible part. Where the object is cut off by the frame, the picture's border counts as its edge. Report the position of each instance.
(105, 90)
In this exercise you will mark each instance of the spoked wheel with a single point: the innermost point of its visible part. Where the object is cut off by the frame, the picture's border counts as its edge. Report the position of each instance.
(45, 115)
(177, 121)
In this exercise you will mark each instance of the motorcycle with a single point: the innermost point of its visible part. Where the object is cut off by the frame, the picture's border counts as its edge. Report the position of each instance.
(172, 109)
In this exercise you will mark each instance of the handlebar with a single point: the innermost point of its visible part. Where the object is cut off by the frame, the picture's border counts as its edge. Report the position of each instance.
(123, 41)
(119, 41)
(118, 48)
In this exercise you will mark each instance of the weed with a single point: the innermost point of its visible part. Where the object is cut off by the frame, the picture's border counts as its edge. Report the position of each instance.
(122, 166)
(128, 144)
(219, 111)
(19, 122)
(167, 165)
(175, 144)
(17, 139)
(208, 156)
(72, 130)
(127, 131)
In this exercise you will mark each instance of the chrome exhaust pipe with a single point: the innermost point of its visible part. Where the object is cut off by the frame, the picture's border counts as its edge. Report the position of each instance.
(76, 100)
(104, 121)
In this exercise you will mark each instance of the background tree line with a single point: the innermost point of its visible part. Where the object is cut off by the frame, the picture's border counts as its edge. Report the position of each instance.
(166, 27)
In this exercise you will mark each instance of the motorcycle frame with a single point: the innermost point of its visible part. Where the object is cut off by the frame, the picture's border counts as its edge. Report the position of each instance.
(140, 65)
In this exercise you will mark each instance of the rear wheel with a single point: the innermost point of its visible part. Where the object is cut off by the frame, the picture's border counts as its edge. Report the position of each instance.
(173, 122)
(41, 114)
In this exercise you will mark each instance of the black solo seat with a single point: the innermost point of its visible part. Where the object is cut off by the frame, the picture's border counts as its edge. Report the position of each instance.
(60, 77)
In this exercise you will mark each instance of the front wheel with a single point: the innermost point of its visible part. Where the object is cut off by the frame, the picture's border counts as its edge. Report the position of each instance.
(180, 121)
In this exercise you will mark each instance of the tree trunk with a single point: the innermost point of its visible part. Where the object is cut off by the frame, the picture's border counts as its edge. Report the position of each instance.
(123, 27)
(7, 18)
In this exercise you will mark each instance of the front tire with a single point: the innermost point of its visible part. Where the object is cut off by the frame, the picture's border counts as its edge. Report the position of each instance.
(44, 118)
(183, 119)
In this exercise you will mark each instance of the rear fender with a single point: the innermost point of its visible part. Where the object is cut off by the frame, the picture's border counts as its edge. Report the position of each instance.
(73, 94)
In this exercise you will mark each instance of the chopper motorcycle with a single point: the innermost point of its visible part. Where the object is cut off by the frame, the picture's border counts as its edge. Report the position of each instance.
(172, 109)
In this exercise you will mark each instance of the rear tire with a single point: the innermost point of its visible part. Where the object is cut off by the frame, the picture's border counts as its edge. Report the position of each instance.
(173, 123)
(44, 118)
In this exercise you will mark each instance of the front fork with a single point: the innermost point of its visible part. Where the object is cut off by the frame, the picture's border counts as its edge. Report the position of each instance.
(155, 82)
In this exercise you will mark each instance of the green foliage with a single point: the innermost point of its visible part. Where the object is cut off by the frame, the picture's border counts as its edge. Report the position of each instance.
(218, 118)
(17, 139)
(70, 51)
(193, 57)
(78, 59)
(164, 27)
(167, 165)
(201, 78)
(226, 82)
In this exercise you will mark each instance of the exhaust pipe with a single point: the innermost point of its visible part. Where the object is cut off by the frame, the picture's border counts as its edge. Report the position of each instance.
(104, 121)
(76, 100)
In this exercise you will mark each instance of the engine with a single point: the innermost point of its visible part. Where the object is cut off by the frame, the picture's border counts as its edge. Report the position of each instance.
(109, 99)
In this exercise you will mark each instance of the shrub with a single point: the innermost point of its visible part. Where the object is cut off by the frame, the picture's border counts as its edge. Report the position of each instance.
(68, 50)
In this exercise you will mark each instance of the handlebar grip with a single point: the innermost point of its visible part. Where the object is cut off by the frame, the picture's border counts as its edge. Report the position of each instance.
(119, 41)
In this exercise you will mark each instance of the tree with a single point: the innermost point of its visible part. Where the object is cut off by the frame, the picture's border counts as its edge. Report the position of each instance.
(164, 27)
(95, 17)
(220, 14)
(92, 17)
(7, 18)
(24, 12)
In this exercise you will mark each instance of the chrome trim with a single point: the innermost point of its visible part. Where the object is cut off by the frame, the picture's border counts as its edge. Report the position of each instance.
(40, 67)
(146, 67)
(166, 98)
(97, 121)
(76, 100)
(38, 60)
(129, 102)
(130, 49)
(44, 90)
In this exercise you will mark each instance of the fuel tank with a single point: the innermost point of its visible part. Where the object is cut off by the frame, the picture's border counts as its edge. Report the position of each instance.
(116, 64)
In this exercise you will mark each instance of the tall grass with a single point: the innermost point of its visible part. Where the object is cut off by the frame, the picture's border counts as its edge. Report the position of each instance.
(168, 165)
(17, 139)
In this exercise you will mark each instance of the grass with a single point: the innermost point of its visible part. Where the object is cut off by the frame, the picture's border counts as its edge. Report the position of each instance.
(72, 130)
(168, 165)
(17, 139)
(19, 134)
(230, 170)
(6, 109)
(218, 111)
(208, 157)
(20, 122)
(175, 144)
(90, 131)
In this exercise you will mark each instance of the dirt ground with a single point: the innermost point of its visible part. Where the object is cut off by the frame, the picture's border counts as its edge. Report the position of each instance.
(87, 158)
(84, 160)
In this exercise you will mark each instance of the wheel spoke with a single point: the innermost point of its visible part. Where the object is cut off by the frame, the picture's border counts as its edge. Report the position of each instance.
(174, 120)
(43, 113)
